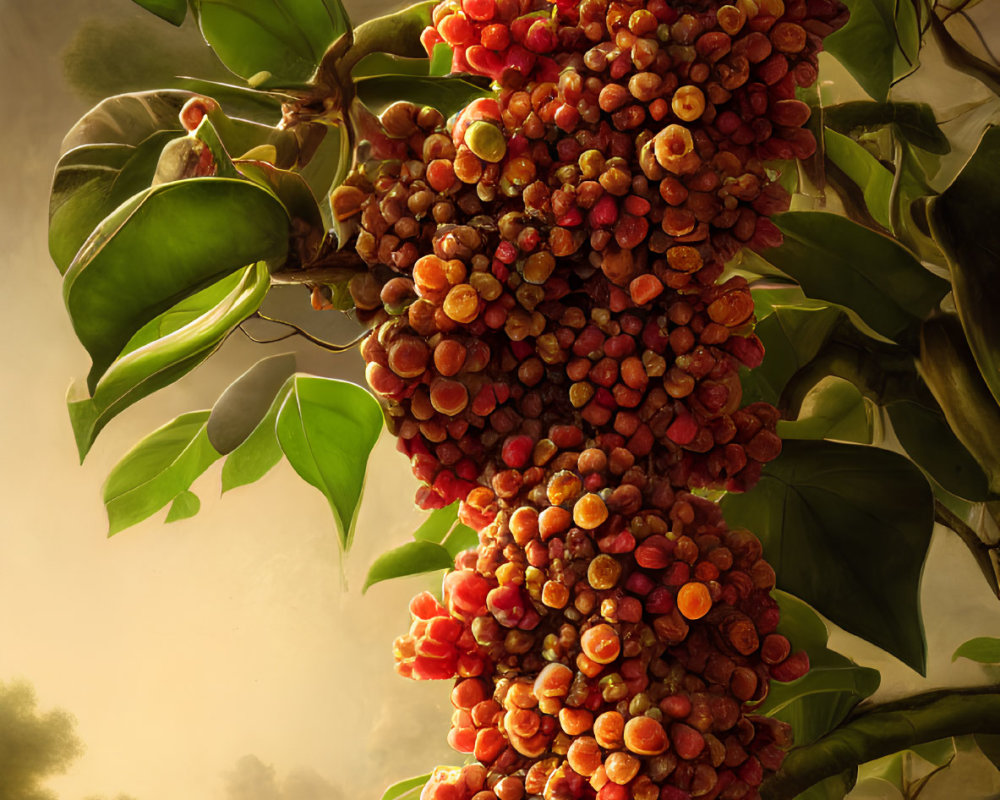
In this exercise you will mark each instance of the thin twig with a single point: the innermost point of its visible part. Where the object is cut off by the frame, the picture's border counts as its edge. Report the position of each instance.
(297, 331)
(984, 555)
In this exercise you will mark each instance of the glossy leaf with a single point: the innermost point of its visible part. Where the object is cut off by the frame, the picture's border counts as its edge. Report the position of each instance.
(834, 409)
(842, 262)
(388, 64)
(240, 136)
(272, 42)
(441, 59)
(259, 452)
(157, 470)
(984, 649)
(173, 11)
(927, 438)
(949, 369)
(816, 703)
(327, 429)
(295, 195)
(846, 529)
(185, 505)
(246, 401)
(438, 525)
(913, 122)
(448, 95)
(878, 45)
(127, 119)
(874, 180)
(412, 558)
(238, 101)
(161, 246)
(964, 222)
(166, 349)
(408, 789)
(792, 336)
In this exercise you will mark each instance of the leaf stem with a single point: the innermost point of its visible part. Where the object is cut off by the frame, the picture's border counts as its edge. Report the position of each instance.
(985, 556)
(881, 730)
(297, 331)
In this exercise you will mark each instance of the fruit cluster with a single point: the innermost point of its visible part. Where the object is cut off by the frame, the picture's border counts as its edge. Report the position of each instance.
(558, 348)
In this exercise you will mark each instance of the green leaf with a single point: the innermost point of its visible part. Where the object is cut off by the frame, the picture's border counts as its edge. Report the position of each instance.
(327, 429)
(406, 789)
(109, 156)
(964, 222)
(461, 538)
(913, 122)
(412, 558)
(878, 45)
(272, 43)
(865, 170)
(157, 470)
(984, 649)
(833, 409)
(448, 95)
(295, 195)
(173, 11)
(819, 701)
(246, 401)
(238, 101)
(930, 442)
(161, 246)
(388, 64)
(792, 336)
(166, 349)
(259, 452)
(185, 505)
(441, 59)
(437, 525)
(842, 262)
(846, 529)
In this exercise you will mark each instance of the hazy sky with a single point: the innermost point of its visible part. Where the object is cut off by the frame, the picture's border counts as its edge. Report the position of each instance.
(183, 649)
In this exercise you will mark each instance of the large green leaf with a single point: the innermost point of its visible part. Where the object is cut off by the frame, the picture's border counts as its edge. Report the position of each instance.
(272, 42)
(874, 180)
(819, 701)
(173, 11)
(327, 429)
(185, 505)
(913, 122)
(842, 262)
(964, 222)
(259, 451)
(448, 95)
(161, 246)
(408, 789)
(984, 649)
(166, 349)
(109, 156)
(833, 409)
(792, 336)
(927, 438)
(246, 401)
(878, 45)
(157, 470)
(412, 558)
(846, 529)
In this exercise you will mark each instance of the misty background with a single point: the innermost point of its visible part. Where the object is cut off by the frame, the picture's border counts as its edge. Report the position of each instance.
(220, 657)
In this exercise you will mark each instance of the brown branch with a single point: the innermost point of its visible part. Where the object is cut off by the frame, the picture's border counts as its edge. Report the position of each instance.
(336, 266)
(297, 331)
(985, 556)
(962, 60)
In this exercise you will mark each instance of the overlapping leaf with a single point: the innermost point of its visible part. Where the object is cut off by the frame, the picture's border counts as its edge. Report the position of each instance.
(834, 409)
(246, 401)
(167, 348)
(846, 529)
(984, 649)
(157, 470)
(272, 42)
(327, 429)
(161, 246)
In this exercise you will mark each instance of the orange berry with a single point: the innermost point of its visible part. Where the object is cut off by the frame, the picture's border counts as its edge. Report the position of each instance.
(694, 600)
(589, 512)
(645, 736)
(601, 643)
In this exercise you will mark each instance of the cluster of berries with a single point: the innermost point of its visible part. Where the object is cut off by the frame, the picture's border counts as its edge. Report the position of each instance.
(558, 348)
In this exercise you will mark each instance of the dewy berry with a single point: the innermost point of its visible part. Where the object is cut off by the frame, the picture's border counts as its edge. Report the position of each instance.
(557, 348)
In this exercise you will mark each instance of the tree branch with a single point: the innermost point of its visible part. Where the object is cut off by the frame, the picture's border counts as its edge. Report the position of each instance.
(961, 59)
(297, 331)
(984, 555)
(885, 729)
